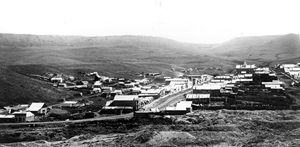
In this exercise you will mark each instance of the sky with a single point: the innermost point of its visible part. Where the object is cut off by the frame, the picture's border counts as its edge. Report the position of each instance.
(194, 21)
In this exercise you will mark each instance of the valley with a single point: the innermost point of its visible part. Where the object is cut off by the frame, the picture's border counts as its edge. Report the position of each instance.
(22, 56)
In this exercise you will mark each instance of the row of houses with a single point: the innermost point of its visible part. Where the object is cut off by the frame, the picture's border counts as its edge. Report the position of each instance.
(248, 81)
(144, 95)
(291, 69)
(37, 111)
(24, 112)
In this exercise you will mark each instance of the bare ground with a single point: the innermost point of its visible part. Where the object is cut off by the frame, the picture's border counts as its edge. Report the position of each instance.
(202, 128)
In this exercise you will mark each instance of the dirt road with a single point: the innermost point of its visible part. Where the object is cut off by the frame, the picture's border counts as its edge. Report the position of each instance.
(167, 100)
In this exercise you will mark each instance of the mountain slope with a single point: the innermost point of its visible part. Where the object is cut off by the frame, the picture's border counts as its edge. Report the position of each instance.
(115, 56)
(259, 49)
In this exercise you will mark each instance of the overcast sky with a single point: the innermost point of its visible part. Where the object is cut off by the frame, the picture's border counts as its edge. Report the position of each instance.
(196, 21)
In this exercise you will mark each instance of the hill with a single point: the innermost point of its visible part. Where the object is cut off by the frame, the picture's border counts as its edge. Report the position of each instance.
(114, 56)
(259, 49)
(125, 56)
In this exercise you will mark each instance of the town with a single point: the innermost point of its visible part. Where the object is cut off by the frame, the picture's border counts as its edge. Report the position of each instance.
(247, 88)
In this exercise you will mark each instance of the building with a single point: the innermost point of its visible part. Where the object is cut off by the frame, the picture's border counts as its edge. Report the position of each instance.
(12, 109)
(107, 89)
(23, 116)
(264, 70)
(212, 89)
(155, 93)
(175, 110)
(185, 104)
(136, 90)
(198, 98)
(274, 85)
(57, 79)
(125, 101)
(7, 118)
(121, 104)
(177, 81)
(258, 78)
(282, 66)
(38, 108)
(245, 68)
(198, 79)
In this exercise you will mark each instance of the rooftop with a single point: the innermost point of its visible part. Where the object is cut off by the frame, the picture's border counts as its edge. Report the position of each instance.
(196, 96)
(125, 97)
(24, 113)
(35, 106)
(7, 116)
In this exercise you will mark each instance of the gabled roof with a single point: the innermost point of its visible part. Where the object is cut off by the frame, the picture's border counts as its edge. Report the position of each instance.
(17, 107)
(36, 106)
(25, 113)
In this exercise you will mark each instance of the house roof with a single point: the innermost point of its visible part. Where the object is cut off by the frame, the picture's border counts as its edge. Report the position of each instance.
(125, 97)
(197, 96)
(185, 104)
(17, 107)
(207, 87)
(274, 82)
(36, 106)
(70, 102)
(7, 116)
(175, 108)
(26, 113)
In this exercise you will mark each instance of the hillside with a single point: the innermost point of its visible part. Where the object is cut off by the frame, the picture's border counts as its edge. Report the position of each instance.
(124, 56)
(115, 56)
(259, 49)
(16, 88)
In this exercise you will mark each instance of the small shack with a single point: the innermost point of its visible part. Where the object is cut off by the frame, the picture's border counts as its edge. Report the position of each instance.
(23, 116)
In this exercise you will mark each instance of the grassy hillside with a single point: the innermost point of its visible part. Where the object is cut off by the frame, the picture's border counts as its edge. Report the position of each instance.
(115, 56)
(124, 56)
(259, 49)
(16, 88)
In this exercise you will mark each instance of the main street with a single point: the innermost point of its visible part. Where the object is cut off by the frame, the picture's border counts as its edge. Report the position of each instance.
(167, 100)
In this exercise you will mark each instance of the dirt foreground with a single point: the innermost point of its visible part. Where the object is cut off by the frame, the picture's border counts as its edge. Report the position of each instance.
(201, 128)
